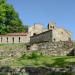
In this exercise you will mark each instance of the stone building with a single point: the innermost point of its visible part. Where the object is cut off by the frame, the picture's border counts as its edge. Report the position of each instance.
(42, 37)
(37, 33)
(53, 34)
(59, 34)
(14, 38)
(35, 29)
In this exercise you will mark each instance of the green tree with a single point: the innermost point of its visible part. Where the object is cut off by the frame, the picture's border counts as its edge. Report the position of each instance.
(26, 28)
(9, 19)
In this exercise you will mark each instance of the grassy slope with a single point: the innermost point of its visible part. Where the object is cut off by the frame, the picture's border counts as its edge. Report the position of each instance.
(47, 61)
(54, 61)
(11, 46)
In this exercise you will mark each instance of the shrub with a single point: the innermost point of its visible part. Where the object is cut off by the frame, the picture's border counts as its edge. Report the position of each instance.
(34, 55)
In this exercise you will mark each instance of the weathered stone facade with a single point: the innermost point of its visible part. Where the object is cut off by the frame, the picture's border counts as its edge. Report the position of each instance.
(53, 48)
(12, 50)
(60, 34)
(53, 34)
(37, 33)
(35, 29)
(42, 37)
(14, 38)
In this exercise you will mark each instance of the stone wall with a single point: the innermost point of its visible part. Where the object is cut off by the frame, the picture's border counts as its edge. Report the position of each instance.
(60, 34)
(42, 37)
(52, 48)
(12, 50)
(37, 71)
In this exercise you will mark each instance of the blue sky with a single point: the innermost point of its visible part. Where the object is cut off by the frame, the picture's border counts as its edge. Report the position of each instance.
(43, 11)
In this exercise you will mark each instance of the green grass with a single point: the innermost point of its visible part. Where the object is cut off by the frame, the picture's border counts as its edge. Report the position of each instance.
(35, 59)
(12, 46)
(41, 61)
(54, 61)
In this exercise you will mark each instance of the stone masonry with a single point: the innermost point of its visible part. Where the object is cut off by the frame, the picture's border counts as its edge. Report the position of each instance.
(52, 48)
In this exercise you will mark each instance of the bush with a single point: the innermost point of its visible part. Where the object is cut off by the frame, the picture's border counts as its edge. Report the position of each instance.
(34, 55)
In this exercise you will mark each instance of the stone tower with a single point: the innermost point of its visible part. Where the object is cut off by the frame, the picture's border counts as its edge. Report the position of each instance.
(51, 25)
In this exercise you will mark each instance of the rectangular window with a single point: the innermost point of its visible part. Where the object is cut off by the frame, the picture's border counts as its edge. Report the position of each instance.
(13, 39)
(7, 39)
(19, 39)
(1, 39)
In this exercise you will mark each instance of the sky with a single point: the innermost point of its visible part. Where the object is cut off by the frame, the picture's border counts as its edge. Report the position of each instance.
(44, 11)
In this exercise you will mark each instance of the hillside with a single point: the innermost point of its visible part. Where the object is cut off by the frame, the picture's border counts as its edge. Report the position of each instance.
(11, 50)
(15, 56)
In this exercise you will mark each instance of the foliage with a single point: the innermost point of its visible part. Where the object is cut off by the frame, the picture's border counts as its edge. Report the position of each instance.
(24, 56)
(34, 59)
(48, 61)
(42, 61)
(33, 55)
(26, 28)
(9, 19)
(24, 74)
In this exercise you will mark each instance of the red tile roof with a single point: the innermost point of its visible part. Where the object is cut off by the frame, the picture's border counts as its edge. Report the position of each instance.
(15, 34)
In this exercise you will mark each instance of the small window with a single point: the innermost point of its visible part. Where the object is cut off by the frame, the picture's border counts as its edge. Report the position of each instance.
(1, 39)
(53, 27)
(13, 39)
(19, 39)
(7, 39)
(50, 26)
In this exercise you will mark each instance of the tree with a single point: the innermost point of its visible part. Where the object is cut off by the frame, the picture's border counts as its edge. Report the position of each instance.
(26, 28)
(9, 19)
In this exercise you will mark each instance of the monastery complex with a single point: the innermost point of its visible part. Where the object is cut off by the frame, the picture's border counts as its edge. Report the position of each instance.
(37, 33)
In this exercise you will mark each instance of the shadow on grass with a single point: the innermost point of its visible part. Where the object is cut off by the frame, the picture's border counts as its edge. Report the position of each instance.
(60, 62)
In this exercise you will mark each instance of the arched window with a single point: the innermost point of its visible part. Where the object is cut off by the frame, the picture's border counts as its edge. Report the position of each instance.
(1, 39)
(50, 26)
(19, 39)
(13, 39)
(7, 39)
(53, 27)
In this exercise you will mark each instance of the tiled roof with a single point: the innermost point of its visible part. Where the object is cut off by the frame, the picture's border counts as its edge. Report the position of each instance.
(15, 34)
